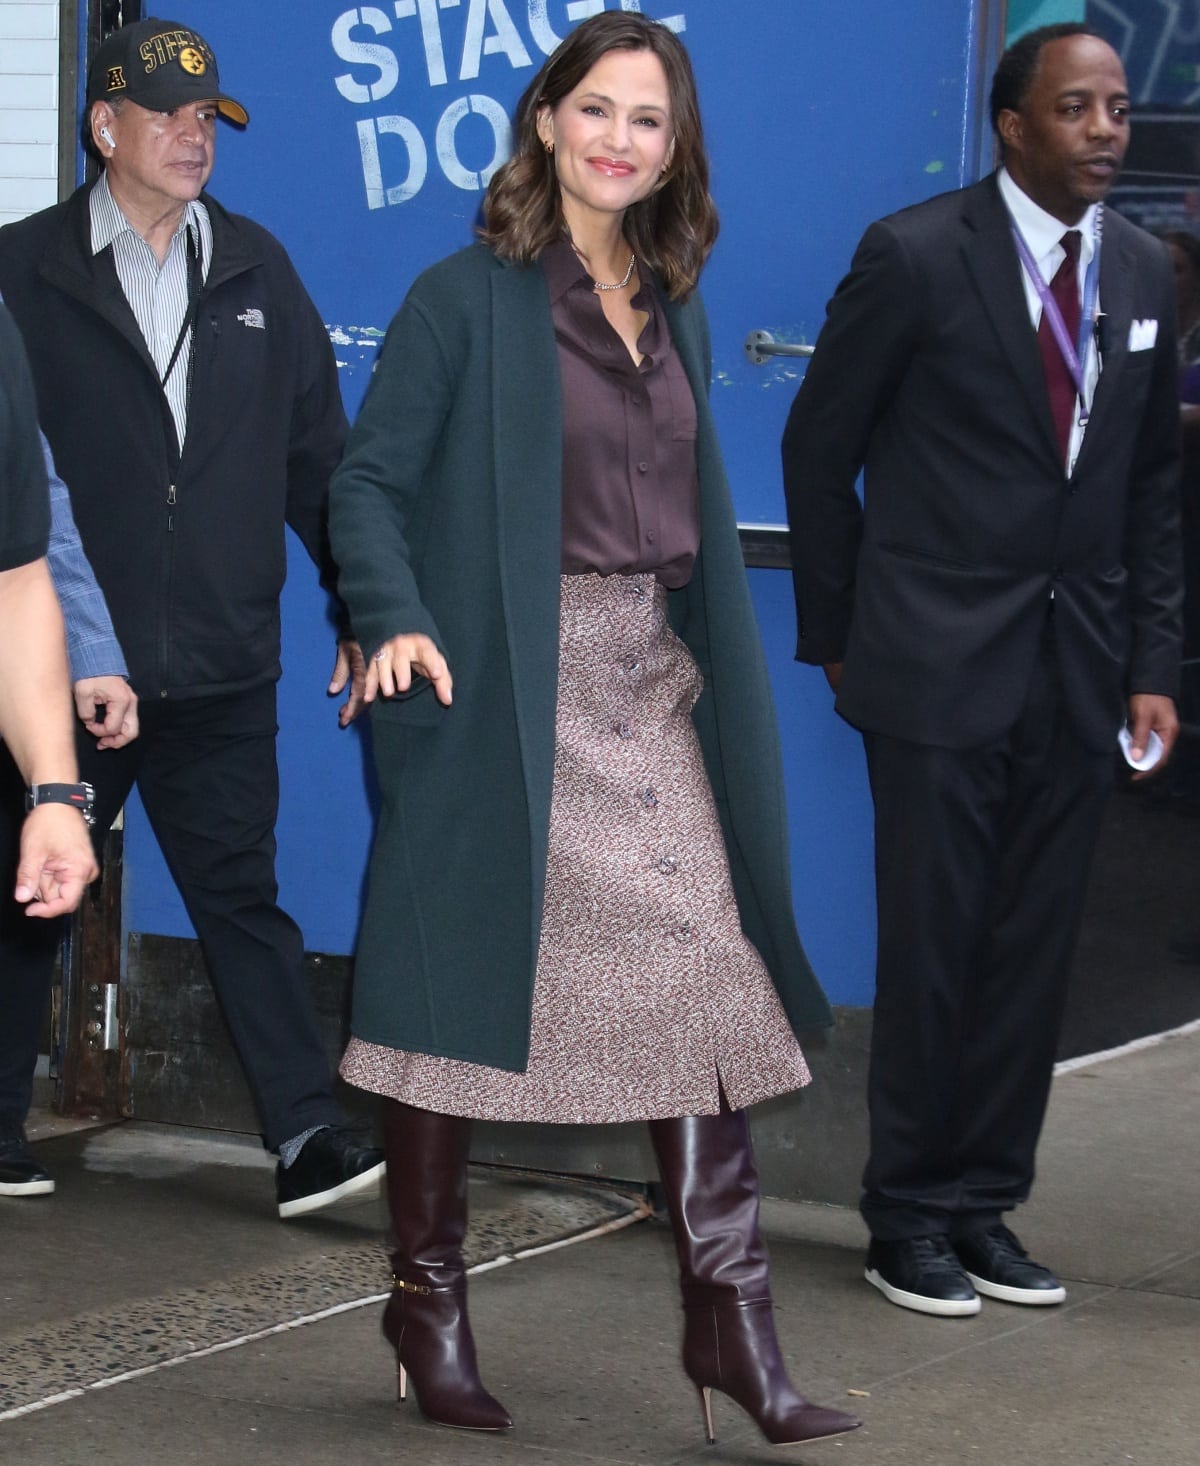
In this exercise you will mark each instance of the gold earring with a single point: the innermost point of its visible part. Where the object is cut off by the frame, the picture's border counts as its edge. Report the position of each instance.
(549, 149)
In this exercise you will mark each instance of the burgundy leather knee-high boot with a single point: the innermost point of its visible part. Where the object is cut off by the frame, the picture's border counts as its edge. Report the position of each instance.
(729, 1342)
(425, 1320)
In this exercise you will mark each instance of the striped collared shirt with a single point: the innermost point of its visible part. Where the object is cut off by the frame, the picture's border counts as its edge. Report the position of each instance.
(157, 295)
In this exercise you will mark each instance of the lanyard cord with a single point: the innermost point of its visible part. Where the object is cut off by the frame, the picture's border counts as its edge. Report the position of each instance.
(1073, 355)
(189, 317)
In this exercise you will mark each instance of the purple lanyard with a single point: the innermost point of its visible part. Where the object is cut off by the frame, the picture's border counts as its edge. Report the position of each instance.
(1073, 356)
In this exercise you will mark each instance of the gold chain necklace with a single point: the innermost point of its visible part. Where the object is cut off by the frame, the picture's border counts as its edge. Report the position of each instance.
(620, 284)
(599, 284)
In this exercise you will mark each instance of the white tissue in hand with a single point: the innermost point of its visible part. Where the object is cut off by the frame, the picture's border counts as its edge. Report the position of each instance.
(1153, 751)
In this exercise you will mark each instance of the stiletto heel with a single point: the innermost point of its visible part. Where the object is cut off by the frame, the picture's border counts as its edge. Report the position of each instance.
(706, 1406)
(401, 1382)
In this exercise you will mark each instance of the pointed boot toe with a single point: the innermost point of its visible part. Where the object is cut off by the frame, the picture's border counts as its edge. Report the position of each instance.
(810, 1422)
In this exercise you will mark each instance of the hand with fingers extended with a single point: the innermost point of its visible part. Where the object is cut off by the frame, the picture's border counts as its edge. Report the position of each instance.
(402, 658)
(351, 670)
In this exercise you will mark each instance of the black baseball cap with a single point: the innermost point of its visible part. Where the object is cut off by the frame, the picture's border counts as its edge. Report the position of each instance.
(160, 65)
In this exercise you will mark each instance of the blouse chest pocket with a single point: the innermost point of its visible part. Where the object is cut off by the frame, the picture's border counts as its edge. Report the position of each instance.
(683, 404)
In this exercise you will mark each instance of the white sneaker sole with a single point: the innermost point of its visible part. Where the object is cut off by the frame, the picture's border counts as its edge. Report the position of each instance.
(939, 1307)
(1036, 1297)
(357, 1187)
(26, 1188)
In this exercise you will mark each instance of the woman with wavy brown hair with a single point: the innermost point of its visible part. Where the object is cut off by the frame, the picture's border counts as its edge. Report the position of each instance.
(579, 905)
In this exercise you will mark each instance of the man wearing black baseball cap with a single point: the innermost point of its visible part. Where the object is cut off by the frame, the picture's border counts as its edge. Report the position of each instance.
(189, 392)
(160, 66)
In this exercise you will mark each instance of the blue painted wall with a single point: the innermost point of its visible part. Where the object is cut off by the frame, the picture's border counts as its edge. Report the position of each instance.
(820, 116)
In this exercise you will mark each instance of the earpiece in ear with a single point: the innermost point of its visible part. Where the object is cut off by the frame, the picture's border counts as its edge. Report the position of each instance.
(108, 137)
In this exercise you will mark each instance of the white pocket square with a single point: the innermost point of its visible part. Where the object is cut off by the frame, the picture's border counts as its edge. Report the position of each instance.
(1142, 335)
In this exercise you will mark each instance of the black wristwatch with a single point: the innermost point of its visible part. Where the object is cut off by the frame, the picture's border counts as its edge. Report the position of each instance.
(78, 796)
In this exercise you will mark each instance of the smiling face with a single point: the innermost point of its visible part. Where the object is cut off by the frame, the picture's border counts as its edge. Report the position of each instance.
(1064, 145)
(158, 160)
(612, 137)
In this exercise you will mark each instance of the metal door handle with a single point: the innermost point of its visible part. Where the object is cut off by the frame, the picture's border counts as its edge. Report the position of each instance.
(760, 345)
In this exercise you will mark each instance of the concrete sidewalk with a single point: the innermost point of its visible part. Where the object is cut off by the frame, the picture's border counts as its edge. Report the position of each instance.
(217, 1334)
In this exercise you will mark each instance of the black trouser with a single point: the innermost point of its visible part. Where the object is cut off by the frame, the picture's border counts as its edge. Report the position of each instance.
(982, 859)
(205, 768)
(27, 948)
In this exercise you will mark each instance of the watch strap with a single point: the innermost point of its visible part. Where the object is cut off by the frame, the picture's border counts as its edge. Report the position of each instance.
(78, 796)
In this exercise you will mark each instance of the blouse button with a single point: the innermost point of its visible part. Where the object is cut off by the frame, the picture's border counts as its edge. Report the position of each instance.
(650, 798)
(633, 665)
(643, 468)
(623, 729)
(668, 864)
(683, 933)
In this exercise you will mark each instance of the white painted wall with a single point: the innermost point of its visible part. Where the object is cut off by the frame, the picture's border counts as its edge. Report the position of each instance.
(28, 107)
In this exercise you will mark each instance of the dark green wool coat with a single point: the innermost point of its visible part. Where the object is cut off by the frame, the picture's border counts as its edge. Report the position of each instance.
(446, 519)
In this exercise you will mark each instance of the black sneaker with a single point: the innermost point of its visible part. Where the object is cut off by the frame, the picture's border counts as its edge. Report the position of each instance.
(921, 1273)
(331, 1166)
(20, 1173)
(1001, 1268)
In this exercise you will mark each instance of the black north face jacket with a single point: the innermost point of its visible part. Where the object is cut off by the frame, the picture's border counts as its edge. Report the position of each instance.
(189, 549)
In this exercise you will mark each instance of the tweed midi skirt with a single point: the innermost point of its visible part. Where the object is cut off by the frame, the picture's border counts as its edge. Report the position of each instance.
(648, 998)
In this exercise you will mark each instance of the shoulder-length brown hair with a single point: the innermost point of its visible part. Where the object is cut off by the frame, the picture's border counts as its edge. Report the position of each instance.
(673, 229)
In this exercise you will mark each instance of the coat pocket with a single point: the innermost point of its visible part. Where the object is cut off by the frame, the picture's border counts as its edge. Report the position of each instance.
(419, 706)
(926, 557)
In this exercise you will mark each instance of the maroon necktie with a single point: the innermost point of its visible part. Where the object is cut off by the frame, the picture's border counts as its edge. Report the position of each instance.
(1065, 290)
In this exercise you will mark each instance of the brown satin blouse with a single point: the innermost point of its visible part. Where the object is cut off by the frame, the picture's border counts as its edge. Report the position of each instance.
(631, 495)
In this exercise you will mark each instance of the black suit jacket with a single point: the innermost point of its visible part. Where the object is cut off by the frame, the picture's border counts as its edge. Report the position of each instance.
(927, 376)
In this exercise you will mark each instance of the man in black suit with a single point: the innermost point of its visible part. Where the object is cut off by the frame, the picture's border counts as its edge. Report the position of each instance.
(1006, 597)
